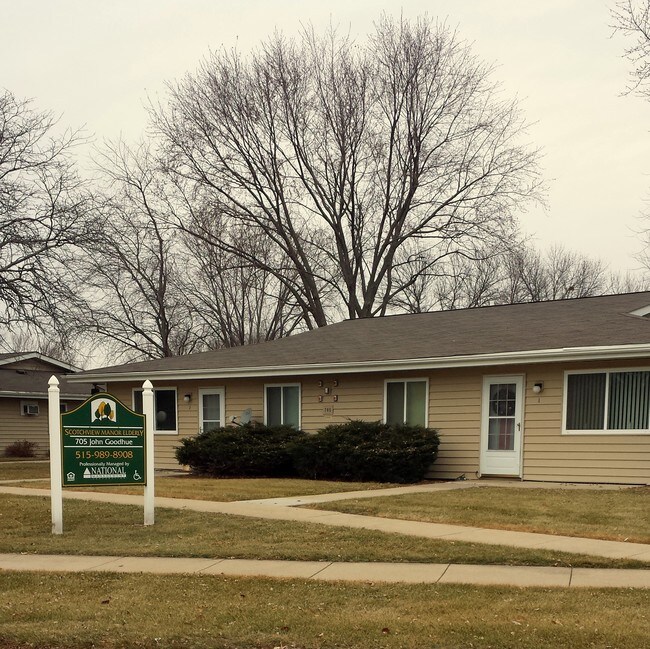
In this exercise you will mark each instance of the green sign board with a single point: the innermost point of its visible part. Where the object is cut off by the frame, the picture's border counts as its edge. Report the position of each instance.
(103, 443)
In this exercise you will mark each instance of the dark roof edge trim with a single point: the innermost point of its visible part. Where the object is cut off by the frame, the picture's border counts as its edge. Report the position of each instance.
(609, 352)
(39, 395)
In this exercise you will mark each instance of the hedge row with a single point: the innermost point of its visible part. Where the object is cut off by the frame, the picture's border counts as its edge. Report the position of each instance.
(357, 450)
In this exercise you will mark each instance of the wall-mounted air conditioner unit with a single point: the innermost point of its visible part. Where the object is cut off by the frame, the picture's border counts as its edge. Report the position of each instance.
(29, 408)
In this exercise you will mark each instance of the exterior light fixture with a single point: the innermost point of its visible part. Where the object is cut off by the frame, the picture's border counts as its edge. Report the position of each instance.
(187, 398)
(538, 387)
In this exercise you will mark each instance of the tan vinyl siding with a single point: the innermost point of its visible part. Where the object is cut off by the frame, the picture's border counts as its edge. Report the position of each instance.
(14, 426)
(360, 396)
(454, 410)
(551, 455)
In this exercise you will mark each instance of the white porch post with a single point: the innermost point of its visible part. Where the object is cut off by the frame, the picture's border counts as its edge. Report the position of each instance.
(54, 420)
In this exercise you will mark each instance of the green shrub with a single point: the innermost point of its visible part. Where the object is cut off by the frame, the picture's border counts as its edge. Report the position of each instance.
(21, 448)
(251, 450)
(366, 451)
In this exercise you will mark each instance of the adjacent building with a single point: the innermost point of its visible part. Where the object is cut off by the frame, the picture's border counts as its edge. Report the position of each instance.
(24, 380)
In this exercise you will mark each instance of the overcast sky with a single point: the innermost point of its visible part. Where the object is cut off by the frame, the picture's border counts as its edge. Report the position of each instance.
(96, 61)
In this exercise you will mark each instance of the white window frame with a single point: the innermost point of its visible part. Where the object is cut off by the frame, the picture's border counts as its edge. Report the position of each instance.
(222, 402)
(284, 385)
(409, 380)
(156, 389)
(600, 431)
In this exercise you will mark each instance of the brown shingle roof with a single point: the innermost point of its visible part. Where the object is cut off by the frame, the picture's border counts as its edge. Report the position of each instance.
(577, 323)
(32, 383)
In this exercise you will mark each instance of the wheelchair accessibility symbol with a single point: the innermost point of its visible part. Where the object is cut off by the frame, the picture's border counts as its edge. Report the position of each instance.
(136, 476)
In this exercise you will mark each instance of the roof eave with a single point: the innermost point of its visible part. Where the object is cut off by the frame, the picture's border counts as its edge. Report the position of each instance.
(609, 352)
(41, 357)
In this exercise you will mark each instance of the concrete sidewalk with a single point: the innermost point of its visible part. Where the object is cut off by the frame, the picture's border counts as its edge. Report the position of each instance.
(285, 509)
(411, 573)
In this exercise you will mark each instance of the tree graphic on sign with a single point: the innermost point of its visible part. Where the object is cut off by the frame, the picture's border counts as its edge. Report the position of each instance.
(104, 410)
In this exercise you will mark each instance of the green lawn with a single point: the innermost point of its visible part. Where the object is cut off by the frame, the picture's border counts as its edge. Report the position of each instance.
(595, 513)
(111, 611)
(101, 528)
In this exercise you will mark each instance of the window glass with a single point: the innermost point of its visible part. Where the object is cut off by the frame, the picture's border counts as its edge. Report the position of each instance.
(629, 400)
(165, 401)
(274, 406)
(211, 405)
(501, 434)
(586, 401)
(406, 402)
(503, 399)
(395, 403)
(283, 405)
(164, 408)
(416, 407)
(291, 405)
(137, 401)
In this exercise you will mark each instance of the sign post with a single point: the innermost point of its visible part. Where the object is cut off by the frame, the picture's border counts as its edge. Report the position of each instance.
(56, 492)
(148, 410)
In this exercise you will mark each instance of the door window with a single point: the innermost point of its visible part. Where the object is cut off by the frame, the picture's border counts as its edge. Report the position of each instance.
(502, 407)
(212, 409)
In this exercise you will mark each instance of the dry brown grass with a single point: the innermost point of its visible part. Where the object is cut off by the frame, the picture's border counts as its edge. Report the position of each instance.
(24, 470)
(101, 528)
(620, 514)
(110, 611)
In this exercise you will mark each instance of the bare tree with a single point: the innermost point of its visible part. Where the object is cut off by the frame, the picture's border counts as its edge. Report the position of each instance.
(364, 166)
(523, 273)
(54, 344)
(43, 215)
(469, 282)
(153, 291)
(237, 302)
(557, 274)
(131, 274)
(632, 19)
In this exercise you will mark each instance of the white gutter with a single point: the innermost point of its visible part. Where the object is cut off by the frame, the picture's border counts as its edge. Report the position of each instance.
(610, 352)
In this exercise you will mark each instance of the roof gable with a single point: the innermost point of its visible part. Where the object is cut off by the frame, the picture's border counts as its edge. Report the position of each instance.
(34, 361)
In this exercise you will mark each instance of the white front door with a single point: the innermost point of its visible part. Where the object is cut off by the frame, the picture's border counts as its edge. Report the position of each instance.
(211, 409)
(502, 425)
